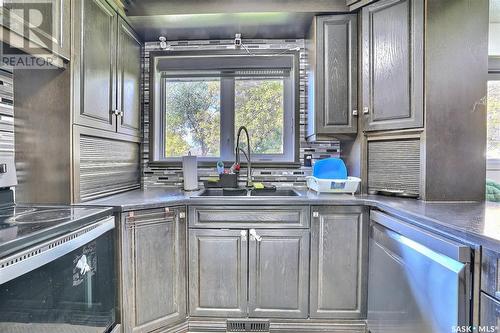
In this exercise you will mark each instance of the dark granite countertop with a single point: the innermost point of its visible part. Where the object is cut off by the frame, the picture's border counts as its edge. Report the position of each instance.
(476, 223)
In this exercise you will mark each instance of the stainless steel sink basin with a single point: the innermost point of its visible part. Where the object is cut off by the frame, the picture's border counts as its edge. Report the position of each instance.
(277, 193)
(241, 192)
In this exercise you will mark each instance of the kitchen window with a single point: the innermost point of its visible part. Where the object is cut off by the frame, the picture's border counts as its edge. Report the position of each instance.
(200, 101)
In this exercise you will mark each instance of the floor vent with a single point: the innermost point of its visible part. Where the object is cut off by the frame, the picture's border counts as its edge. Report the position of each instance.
(247, 326)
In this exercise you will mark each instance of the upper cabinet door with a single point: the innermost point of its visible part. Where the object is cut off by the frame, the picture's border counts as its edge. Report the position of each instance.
(392, 33)
(61, 43)
(333, 77)
(129, 76)
(95, 64)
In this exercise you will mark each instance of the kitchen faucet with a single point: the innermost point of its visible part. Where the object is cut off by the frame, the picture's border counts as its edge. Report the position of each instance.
(247, 154)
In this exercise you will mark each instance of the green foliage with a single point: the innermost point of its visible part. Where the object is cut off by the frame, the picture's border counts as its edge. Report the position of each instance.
(193, 118)
(492, 191)
(259, 107)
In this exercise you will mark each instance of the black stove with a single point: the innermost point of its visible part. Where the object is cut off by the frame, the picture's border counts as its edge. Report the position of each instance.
(25, 225)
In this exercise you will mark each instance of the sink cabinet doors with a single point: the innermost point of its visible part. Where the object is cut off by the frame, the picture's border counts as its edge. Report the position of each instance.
(278, 271)
(218, 272)
(393, 37)
(277, 267)
(154, 277)
(339, 243)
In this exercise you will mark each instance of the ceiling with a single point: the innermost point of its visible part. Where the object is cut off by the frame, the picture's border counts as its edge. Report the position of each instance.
(222, 19)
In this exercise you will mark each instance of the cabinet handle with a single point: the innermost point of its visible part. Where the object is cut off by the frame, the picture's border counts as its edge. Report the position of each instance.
(243, 234)
(366, 110)
(354, 112)
(116, 112)
(254, 235)
(315, 214)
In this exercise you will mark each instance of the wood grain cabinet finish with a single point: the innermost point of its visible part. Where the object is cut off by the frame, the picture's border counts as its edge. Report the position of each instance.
(490, 312)
(490, 272)
(332, 107)
(392, 70)
(107, 69)
(129, 76)
(278, 283)
(94, 34)
(218, 273)
(154, 269)
(339, 240)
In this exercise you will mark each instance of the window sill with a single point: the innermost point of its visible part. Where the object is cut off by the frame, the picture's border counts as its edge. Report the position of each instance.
(208, 164)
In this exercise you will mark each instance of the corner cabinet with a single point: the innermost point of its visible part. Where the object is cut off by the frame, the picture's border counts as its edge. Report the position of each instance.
(339, 252)
(332, 77)
(107, 69)
(153, 260)
(393, 60)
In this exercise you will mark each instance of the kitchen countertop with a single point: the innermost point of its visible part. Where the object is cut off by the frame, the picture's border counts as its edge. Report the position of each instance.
(473, 222)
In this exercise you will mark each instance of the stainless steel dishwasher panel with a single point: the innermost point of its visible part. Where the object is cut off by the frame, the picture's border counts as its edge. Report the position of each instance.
(413, 288)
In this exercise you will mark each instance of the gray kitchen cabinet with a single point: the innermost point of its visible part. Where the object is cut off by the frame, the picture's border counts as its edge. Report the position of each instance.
(218, 272)
(107, 69)
(129, 76)
(490, 313)
(392, 64)
(332, 48)
(339, 242)
(20, 17)
(153, 261)
(278, 284)
(94, 33)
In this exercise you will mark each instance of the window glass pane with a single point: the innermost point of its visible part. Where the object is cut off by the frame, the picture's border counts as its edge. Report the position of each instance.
(259, 107)
(493, 150)
(192, 120)
(494, 33)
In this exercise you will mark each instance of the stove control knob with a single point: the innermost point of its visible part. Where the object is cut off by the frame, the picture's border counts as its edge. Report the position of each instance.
(3, 168)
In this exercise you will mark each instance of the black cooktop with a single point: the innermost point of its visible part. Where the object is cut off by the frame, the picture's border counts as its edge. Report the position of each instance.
(22, 226)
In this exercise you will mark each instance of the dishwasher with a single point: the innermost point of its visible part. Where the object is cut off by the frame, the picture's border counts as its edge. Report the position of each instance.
(418, 282)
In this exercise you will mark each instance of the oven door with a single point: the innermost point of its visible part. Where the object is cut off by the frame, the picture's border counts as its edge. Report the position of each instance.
(65, 285)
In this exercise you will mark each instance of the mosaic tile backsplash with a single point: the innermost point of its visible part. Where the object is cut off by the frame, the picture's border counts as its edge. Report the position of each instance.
(155, 176)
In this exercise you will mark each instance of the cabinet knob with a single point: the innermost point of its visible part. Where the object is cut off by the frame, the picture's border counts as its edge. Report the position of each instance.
(315, 214)
(354, 112)
(243, 234)
(366, 110)
(182, 215)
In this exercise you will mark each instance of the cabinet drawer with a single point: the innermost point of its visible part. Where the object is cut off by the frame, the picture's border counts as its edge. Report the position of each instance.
(490, 276)
(249, 216)
(490, 312)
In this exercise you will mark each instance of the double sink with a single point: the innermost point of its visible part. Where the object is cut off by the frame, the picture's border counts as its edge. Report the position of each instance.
(243, 192)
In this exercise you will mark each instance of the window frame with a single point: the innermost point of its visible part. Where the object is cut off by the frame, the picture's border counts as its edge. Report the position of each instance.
(493, 164)
(291, 134)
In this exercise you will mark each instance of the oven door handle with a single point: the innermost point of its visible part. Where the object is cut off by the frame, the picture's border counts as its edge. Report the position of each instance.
(41, 254)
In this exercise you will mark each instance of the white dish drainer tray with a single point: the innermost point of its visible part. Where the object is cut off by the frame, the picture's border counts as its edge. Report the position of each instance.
(349, 185)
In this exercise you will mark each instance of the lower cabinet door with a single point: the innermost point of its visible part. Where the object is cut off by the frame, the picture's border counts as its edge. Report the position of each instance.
(278, 273)
(339, 242)
(218, 272)
(154, 269)
(490, 313)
